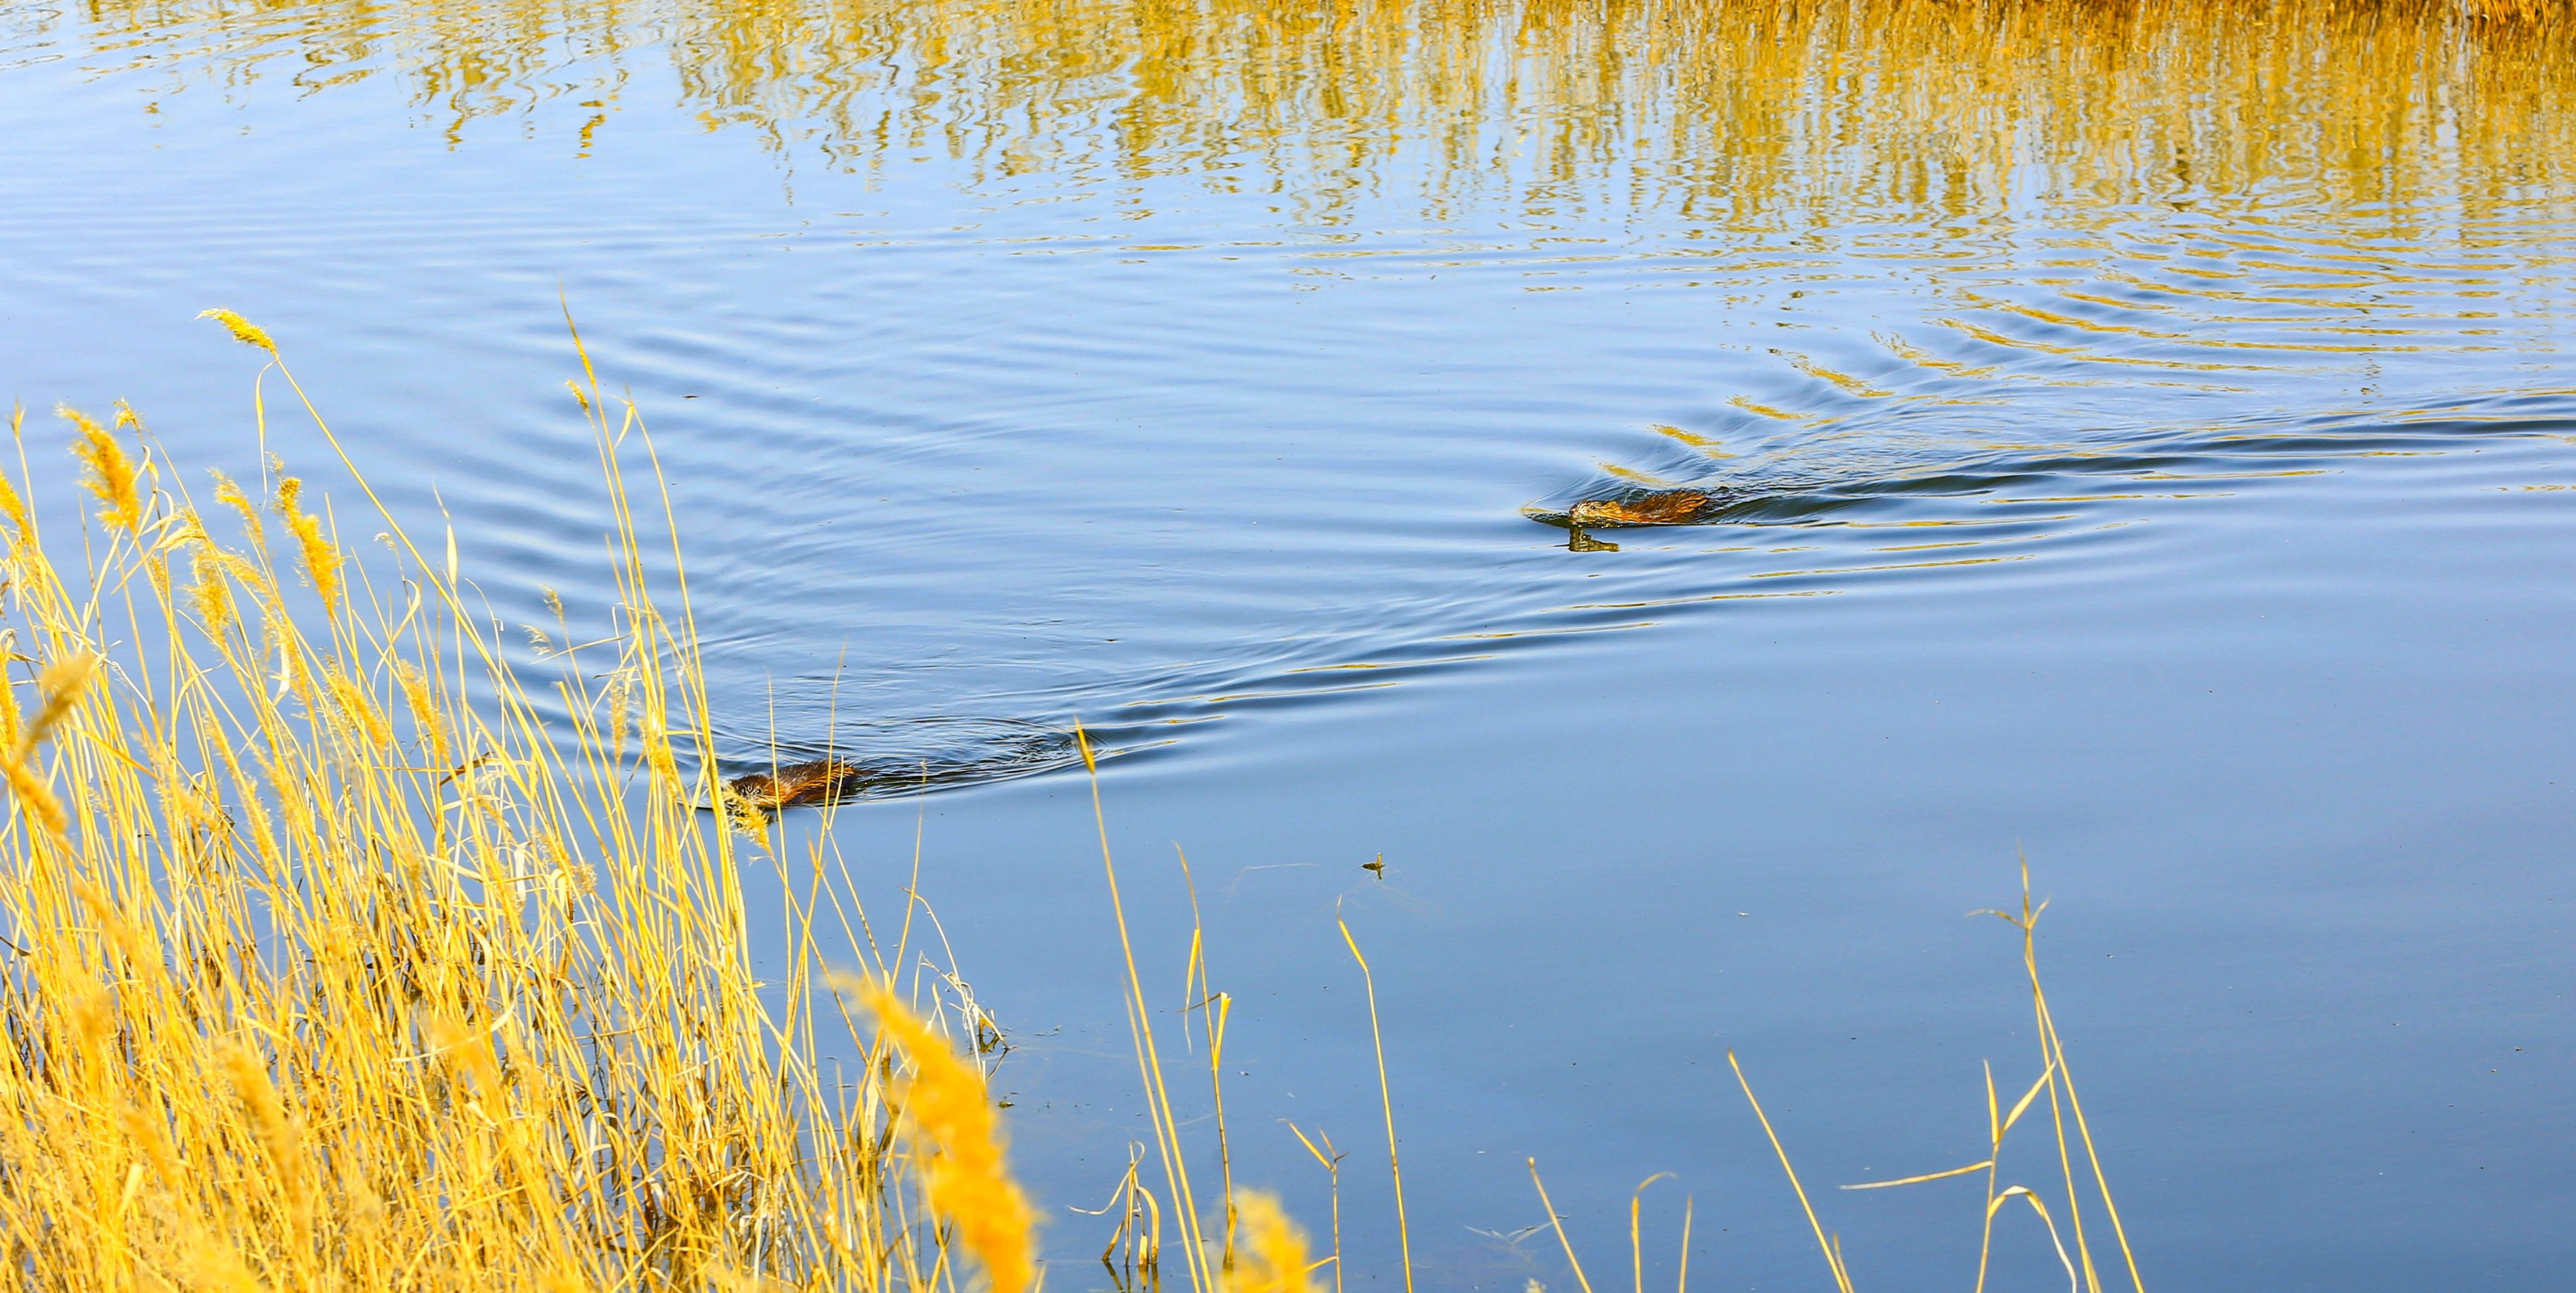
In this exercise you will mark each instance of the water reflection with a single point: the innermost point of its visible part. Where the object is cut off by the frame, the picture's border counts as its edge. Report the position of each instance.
(1761, 115)
(2207, 193)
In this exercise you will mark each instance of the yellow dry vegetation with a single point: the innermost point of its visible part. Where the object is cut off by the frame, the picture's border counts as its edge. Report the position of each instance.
(330, 964)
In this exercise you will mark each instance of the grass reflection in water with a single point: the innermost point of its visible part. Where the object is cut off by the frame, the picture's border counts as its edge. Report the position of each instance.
(1735, 114)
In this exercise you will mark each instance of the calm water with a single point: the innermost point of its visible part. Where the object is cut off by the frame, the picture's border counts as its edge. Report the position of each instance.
(2146, 441)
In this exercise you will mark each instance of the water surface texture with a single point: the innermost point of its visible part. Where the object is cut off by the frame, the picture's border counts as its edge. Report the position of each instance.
(2140, 435)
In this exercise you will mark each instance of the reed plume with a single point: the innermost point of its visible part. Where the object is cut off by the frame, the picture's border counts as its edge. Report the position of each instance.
(1271, 1254)
(243, 330)
(112, 476)
(955, 1135)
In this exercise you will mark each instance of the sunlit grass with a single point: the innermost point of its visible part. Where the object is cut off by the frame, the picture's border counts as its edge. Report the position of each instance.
(329, 964)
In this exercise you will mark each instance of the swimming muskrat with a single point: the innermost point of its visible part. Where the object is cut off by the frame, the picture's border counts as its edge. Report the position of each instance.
(1661, 507)
(883, 758)
(798, 785)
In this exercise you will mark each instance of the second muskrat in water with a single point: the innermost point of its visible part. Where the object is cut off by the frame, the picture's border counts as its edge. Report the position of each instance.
(1663, 507)
(797, 785)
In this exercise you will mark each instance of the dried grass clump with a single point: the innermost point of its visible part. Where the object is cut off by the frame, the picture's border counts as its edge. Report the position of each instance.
(328, 965)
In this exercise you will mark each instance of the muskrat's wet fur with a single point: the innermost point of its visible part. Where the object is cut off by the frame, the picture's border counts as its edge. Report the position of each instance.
(1662, 507)
(799, 785)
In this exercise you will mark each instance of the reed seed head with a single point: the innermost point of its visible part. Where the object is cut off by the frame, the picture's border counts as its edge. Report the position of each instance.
(211, 595)
(1272, 1255)
(231, 495)
(363, 715)
(321, 559)
(13, 507)
(243, 330)
(35, 797)
(112, 476)
(61, 685)
(950, 1123)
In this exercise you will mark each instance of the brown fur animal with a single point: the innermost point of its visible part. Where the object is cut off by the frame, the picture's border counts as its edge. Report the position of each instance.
(1664, 507)
(795, 785)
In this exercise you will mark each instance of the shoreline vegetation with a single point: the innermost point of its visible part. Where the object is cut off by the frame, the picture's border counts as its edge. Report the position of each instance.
(332, 964)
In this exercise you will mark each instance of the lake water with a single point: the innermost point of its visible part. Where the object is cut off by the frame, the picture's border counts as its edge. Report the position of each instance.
(2140, 437)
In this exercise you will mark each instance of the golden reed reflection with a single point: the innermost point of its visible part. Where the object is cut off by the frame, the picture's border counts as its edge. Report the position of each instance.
(1736, 115)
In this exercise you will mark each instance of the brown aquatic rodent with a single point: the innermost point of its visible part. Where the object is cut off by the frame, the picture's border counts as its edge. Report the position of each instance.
(796, 785)
(1663, 507)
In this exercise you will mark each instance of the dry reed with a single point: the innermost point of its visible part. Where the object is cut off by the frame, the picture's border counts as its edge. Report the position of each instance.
(330, 964)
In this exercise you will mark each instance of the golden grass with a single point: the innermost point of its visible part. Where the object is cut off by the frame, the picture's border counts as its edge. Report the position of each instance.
(328, 961)
(330, 965)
